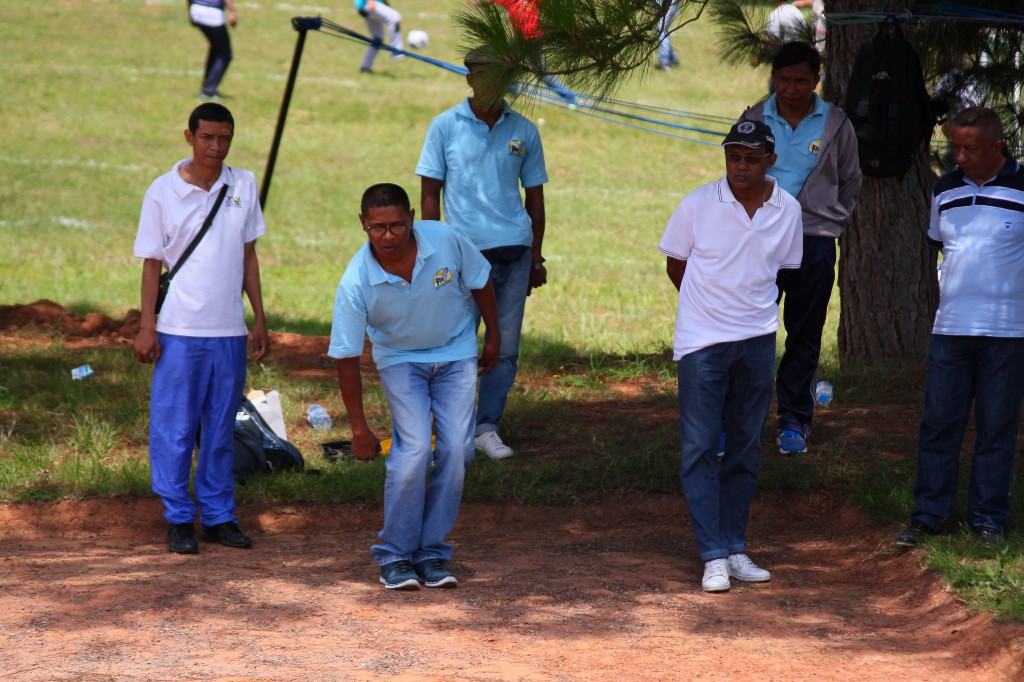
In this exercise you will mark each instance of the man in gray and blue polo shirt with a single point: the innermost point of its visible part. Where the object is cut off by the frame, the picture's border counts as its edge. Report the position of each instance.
(977, 348)
(412, 288)
(817, 164)
(477, 154)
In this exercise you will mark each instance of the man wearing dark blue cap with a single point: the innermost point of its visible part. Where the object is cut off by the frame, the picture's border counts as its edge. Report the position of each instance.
(725, 244)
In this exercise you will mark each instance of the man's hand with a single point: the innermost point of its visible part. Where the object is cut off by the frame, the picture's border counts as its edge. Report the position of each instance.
(538, 278)
(490, 355)
(259, 340)
(147, 346)
(365, 446)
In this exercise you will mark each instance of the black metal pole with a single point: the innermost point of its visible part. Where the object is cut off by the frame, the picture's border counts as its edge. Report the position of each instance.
(302, 25)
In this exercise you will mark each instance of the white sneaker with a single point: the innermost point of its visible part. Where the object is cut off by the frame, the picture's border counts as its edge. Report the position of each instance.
(716, 576)
(492, 446)
(742, 568)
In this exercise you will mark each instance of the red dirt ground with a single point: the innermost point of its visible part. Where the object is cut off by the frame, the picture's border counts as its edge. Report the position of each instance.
(604, 591)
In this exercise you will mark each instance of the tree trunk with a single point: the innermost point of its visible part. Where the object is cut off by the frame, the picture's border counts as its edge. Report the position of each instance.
(887, 280)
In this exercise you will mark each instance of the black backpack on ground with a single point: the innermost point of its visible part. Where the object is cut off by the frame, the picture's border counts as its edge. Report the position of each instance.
(888, 103)
(257, 448)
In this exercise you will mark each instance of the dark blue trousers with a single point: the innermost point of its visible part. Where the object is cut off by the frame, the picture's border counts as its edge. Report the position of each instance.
(988, 372)
(807, 291)
(217, 58)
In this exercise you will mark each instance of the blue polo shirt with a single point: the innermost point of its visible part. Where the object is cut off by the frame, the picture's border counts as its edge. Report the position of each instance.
(981, 292)
(430, 319)
(797, 149)
(482, 170)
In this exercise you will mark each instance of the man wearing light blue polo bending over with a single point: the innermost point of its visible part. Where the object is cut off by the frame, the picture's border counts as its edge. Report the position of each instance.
(412, 289)
(478, 153)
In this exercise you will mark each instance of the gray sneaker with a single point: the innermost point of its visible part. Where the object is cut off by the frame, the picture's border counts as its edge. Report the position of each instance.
(399, 575)
(432, 573)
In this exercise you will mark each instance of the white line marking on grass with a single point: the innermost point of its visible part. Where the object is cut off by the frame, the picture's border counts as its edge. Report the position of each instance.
(77, 163)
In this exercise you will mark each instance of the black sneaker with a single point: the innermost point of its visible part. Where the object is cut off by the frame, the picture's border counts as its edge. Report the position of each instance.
(399, 575)
(227, 534)
(181, 538)
(432, 573)
(915, 533)
(988, 535)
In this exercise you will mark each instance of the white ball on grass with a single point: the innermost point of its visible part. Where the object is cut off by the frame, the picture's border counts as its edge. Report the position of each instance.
(417, 39)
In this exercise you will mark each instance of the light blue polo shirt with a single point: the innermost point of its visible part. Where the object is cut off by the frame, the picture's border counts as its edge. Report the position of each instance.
(797, 149)
(430, 319)
(482, 170)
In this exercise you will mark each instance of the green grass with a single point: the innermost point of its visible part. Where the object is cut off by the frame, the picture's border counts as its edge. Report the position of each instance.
(95, 100)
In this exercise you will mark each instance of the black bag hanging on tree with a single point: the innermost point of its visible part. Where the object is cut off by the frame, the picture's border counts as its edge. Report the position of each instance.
(888, 103)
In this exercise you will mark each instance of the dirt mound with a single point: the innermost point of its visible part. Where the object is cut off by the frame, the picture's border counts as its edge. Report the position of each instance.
(49, 316)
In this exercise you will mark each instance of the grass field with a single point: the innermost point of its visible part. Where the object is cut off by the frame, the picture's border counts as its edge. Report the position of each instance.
(96, 97)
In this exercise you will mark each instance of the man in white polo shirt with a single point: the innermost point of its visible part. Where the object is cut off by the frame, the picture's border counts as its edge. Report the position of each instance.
(479, 152)
(198, 340)
(414, 289)
(725, 244)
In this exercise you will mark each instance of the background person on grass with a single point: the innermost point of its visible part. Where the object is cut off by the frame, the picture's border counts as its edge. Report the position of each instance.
(478, 154)
(817, 163)
(209, 17)
(977, 348)
(198, 340)
(412, 289)
(724, 244)
(379, 16)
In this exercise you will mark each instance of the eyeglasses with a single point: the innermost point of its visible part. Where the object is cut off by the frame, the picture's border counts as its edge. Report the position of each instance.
(750, 159)
(397, 229)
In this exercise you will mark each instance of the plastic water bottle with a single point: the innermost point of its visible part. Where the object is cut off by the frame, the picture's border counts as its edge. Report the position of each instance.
(318, 418)
(823, 393)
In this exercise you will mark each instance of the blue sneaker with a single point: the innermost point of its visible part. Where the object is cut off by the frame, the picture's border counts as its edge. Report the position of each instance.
(791, 442)
(398, 575)
(432, 573)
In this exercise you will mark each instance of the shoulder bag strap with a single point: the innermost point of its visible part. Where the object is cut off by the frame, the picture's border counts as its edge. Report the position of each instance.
(202, 231)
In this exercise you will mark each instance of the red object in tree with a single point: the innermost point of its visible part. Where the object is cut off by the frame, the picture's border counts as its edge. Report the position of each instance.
(524, 17)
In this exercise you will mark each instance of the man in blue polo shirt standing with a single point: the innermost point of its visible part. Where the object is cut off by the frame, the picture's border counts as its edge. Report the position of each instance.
(817, 164)
(411, 288)
(977, 349)
(477, 154)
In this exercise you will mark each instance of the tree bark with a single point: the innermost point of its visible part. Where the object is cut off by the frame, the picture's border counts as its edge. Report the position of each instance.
(887, 279)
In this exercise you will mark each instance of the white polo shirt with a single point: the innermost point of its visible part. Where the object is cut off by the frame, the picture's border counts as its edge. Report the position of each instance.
(728, 292)
(205, 297)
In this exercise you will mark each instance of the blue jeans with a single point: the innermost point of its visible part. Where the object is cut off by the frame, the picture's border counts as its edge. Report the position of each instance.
(734, 379)
(196, 382)
(666, 55)
(511, 284)
(807, 290)
(418, 515)
(989, 372)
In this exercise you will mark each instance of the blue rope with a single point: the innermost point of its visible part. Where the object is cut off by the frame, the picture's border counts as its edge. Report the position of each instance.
(584, 103)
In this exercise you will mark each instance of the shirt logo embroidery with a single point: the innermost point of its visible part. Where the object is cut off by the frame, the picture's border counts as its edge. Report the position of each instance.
(233, 202)
(442, 277)
(517, 147)
(814, 147)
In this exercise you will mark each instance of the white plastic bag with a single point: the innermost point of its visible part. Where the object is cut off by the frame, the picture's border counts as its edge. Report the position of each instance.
(268, 404)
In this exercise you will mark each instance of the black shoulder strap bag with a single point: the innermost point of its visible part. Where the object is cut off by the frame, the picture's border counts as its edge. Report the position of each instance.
(165, 278)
